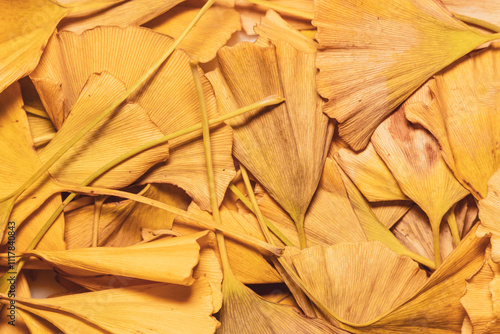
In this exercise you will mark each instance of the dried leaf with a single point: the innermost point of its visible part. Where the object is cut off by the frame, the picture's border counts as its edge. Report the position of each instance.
(379, 279)
(436, 306)
(174, 309)
(212, 31)
(25, 29)
(375, 54)
(127, 13)
(165, 260)
(414, 158)
(290, 168)
(170, 98)
(489, 209)
(120, 132)
(246, 312)
(464, 118)
(370, 174)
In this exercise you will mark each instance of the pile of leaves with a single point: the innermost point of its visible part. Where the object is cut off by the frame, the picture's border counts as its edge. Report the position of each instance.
(340, 173)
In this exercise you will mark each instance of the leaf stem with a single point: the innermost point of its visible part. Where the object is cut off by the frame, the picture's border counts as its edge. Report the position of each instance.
(477, 22)
(436, 238)
(226, 266)
(37, 112)
(46, 166)
(269, 225)
(283, 9)
(98, 202)
(253, 200)
(452, 223)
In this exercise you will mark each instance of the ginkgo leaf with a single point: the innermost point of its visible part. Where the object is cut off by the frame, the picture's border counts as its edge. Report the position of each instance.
(19, 161)
(414, 231)
(489, 209)
(274, 27)
(121, 223)
(168, 260)
(252, 14)
(414, 158)
(246, 312)
(379, 279)
(330, 218)
(248, 265)
(483, 10)
(372, 227)
(170, 98)
(436, 306)
(480, 298)
(156, 308)
(212, 31)
(25, 29)
(126, 13)
(370, 174)
(10, 316)
(290, 168)
(464, 118)
(115, 135)
(373, 55)
(389, 213)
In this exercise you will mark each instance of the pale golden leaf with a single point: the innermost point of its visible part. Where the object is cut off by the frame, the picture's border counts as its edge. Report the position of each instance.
(212, 31)
(375, 54)
(170, 98)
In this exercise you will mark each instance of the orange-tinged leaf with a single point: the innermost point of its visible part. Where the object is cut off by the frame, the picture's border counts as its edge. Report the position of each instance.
(378, 279)
(489, 209)
(375, 54)
(127, 13)
(248, 265)
(168, 260)
(120, 132)
(212, 31)
(170, 98)
(290, 168)
(370, 174)
(25, 28)
(464, 118)
(147, 309)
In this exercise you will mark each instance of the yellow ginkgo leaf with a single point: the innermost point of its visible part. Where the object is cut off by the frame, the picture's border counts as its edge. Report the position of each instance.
(480, 300)
(25, 29)
(245, 312)
(436, 308)
(489, 209)
(373, 228)
(120, 223)
(330, 218)
(168, 260)
(248, 265)
(374, 55)
(388, 213)
(379, 279)
(370, 174)
(10, 322)
(414, 231)
(126, 13)
(170, 98)
(115, 135)
(414, 158)
(298, 15)
(18, 162)
(484, 10)
(212, 31)
(148, 309)
(464, 118)
(290, 168)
